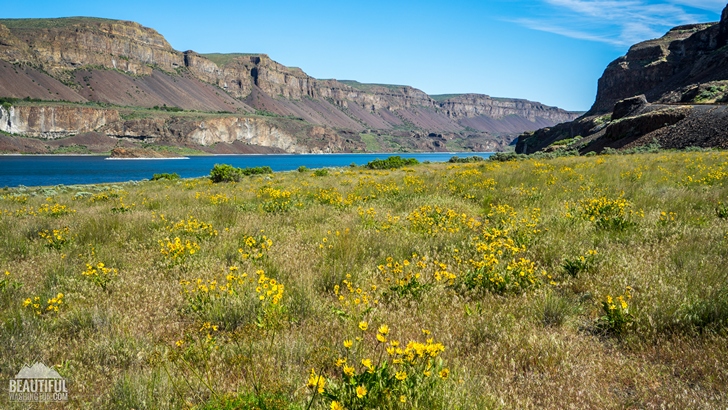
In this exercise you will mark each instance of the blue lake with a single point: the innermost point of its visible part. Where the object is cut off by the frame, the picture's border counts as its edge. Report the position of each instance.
(40, 170)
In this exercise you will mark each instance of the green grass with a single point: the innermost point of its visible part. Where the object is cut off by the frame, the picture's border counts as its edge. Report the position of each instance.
(176, 324)
(184, 151)
(371, 141)
(71, 149)
(443, 97)
(368, 86)
(52, 22)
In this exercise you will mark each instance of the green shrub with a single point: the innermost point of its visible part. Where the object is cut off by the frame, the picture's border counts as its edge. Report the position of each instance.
(321, 172)
(256, 170)
(168, 109)
(392, 163)
(474, 158)
(7, 102)
(225, 173)
(506, 156)
(229, 173)
(170, 177)
(721, 211)
(302, 168)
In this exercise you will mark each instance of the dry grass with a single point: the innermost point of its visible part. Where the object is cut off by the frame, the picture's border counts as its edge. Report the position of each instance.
(137, 339)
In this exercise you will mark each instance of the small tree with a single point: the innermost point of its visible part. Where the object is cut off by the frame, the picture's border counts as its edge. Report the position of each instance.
(225, 173)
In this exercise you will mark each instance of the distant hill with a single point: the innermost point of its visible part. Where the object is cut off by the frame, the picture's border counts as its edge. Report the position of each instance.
(124, 80)
(671, 91)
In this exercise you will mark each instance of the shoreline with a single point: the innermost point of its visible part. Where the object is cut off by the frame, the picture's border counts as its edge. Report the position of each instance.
(272, 154)
(143, 158)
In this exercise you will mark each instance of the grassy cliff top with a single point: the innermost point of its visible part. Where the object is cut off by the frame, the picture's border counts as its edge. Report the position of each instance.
(367, 87)
(52, 22)
(443, 97)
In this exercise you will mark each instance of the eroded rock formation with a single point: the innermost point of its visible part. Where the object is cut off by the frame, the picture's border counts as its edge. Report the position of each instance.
(124, 64)
(670, 90)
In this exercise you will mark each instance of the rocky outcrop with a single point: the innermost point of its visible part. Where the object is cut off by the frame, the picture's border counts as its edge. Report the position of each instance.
(207, 131)
(686, 55)
(124, 64)
(476, 105)
(628, 106)
(52, 122)
(668, 90)
(129, 153)
(55, 122)
(58, 45)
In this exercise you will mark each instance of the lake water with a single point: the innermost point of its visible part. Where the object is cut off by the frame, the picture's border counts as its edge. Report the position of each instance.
(41, 170)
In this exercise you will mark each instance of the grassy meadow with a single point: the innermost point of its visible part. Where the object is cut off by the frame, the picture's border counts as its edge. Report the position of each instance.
(576, 282)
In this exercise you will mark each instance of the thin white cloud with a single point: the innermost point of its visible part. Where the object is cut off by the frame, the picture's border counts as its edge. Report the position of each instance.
(563, 31)
(711, 5)
(616, 22)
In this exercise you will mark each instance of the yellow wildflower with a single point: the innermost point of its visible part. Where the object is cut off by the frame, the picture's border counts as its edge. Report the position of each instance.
(368, 364)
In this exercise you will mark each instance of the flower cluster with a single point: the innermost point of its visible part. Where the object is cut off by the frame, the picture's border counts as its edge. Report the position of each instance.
(606, 213)
(275, 200)
(100, 274)
(193, 227)
(56, 238)
(432, 220)
(105, 196)
(52, 305)
(377, 371)
(268, 289)
(121, 207)
(54, 210)
(616, 317)
(666, 217)
(254, 247)
(214, 199)
(18, 198)
(201, 293)
(412, 277)
(708, 175)
(176, 251)
(354, 301)
(333, 197)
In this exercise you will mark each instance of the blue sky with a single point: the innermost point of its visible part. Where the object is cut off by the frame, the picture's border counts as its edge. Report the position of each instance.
(552, 51)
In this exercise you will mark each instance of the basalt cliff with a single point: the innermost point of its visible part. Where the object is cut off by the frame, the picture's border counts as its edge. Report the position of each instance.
(72, 76)
(670, 91)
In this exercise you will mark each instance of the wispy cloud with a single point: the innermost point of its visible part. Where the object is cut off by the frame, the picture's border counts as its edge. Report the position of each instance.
(711, 5)
(616, 22)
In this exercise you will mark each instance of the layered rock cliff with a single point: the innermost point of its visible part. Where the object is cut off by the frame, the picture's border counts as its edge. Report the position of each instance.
(51, 122)
(669, 90)
(127, 65)
(58, 121)
(665, 69)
